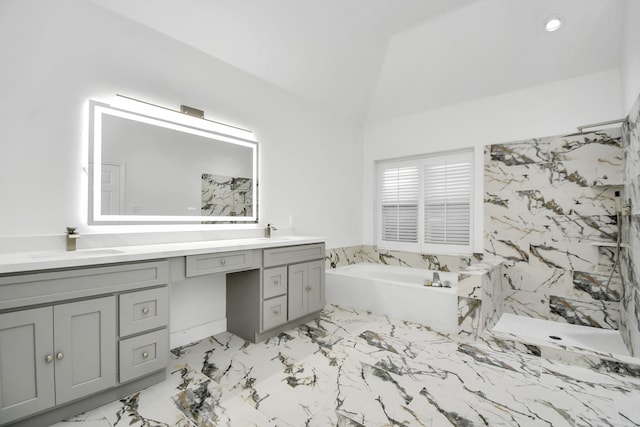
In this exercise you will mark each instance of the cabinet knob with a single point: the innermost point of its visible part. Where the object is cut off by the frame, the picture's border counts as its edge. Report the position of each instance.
(49, 358)
(276, 281)
(308, 288)
(60, 356)
(145, 355)
(145, 310)
(276, 312)
(223, 261)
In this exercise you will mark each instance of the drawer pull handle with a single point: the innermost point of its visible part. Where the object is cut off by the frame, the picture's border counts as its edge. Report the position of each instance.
(145, 355)
(276, 312)
(223, 261)
(276, 281)
(60, 356)
(49, 358)
(145, 310)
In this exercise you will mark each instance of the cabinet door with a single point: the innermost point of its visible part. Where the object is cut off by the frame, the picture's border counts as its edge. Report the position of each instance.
(315, 288)
(26, 375)
(85, 347)
(297, 294)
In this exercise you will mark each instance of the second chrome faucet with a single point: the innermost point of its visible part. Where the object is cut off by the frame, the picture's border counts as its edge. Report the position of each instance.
(72, 237)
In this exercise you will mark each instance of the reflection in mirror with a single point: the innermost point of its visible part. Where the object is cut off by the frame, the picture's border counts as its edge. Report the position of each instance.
(176, 169)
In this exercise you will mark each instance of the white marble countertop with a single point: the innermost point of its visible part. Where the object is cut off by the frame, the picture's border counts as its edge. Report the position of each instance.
(33, 261)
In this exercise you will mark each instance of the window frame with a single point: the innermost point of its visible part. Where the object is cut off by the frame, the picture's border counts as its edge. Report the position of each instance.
(421, 161)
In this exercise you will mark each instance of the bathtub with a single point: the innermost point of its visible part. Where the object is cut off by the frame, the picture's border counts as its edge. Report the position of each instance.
(397, 292)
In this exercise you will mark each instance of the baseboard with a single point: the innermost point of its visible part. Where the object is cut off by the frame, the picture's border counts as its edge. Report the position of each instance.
(197, 333)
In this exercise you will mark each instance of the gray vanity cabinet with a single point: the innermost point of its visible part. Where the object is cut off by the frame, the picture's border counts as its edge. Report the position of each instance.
(286, 292)
(53, 355)
(59, 338)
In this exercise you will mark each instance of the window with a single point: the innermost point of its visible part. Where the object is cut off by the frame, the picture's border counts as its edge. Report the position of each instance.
(400, 201)
(425, 203)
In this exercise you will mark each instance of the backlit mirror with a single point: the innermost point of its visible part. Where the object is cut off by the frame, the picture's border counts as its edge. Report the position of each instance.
(169, 168)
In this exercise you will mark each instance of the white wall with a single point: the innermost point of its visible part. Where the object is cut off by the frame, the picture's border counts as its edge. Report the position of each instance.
(57, 55)
(550, 109)
(630, 54)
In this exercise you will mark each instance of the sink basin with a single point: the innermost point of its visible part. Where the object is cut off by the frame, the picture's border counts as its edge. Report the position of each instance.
(283, 238)
(85, 253)
(273, 239)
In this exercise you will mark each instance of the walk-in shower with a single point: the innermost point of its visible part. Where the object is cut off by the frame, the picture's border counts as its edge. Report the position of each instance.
(563, 285)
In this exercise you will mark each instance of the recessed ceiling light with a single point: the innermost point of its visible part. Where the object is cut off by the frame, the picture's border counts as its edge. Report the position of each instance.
(553, 23)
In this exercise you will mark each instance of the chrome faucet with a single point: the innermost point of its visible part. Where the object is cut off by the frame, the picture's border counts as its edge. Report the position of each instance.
(267, 230)
(436, 280)
(72, 236)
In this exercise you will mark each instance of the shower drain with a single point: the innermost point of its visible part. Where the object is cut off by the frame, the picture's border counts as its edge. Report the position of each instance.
(555, 337)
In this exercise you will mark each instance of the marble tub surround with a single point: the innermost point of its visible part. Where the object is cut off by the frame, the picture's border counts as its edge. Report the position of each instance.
(478, 280)
(339, 257)
(549, 204)
(353, 368)
(479, 297)
(630, 256)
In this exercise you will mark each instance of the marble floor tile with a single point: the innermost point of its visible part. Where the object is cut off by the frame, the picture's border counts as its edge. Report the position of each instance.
(354, 368)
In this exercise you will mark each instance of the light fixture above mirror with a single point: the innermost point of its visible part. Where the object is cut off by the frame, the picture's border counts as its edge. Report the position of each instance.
(162, 166)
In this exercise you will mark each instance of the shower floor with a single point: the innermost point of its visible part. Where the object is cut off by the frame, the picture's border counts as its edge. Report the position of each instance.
(585, 337)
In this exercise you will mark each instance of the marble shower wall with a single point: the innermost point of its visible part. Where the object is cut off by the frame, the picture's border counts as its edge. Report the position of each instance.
(549, 213)
(630, 260)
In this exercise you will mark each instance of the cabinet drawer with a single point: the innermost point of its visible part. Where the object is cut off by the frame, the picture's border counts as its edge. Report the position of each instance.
(143, 354)
(293, 254)
(198, 265)
(144, 310)
(47, 287)
(274, 312)
(274, 282)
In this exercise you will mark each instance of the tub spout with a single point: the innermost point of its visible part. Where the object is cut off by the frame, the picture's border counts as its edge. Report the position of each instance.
(436, 280)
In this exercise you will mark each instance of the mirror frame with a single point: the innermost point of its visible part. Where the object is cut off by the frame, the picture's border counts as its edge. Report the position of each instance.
(176, 121)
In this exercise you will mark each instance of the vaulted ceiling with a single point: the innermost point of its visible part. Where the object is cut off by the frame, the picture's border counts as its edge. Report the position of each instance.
(379, 59)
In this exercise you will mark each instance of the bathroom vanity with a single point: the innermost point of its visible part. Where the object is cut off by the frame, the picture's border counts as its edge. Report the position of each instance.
(81, 329)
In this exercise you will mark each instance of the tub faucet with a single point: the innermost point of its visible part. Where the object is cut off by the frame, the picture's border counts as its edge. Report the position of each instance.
(267, 230)
(436, 280)
(72, 236)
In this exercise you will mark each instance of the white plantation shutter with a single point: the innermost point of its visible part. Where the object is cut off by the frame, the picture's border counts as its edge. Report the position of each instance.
(425, 203)
(400, 199)
(447, 203)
